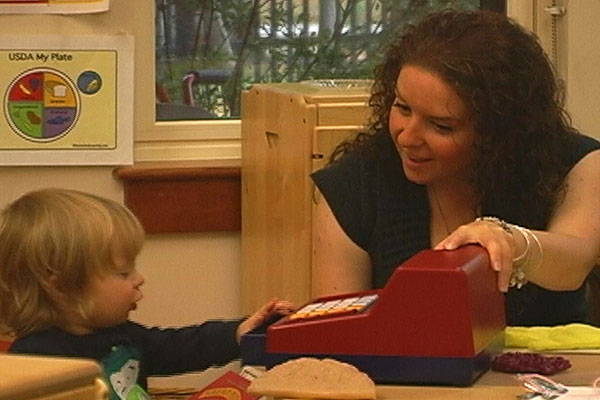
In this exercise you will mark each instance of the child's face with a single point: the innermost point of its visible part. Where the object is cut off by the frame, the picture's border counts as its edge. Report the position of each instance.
(114, 295)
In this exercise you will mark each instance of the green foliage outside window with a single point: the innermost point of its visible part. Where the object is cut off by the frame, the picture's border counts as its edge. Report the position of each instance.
(231, 44)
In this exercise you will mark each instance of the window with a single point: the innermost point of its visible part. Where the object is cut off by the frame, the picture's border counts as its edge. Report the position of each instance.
(208, 51)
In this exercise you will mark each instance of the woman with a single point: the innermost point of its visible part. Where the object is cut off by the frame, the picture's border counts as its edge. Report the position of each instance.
(468, 131)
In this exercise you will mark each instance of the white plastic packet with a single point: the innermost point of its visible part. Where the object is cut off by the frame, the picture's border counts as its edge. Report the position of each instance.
(547, 389)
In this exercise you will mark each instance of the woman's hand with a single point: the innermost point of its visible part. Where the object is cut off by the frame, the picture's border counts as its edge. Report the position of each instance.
(497, 240)
(273, 307)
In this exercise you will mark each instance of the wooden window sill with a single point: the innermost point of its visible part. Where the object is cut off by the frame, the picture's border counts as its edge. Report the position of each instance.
(197, 196)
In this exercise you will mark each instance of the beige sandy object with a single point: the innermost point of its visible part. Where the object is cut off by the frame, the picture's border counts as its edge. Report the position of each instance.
(311, 378)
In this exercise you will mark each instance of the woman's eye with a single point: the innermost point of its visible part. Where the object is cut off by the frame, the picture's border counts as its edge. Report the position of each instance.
(125, 274)
(404, 109)
(442, 128)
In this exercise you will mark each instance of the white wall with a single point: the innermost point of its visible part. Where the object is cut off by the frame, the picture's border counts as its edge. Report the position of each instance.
(579, 39)
(578, 47)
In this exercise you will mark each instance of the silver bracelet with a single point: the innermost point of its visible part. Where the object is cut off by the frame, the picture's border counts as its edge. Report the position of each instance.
(495, 220)
(518, 277)
(540, 253)
(525, 233)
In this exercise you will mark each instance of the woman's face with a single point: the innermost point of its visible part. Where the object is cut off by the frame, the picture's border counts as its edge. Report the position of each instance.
(431, 128)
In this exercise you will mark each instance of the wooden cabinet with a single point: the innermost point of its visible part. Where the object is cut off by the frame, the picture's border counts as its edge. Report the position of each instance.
(288, 131)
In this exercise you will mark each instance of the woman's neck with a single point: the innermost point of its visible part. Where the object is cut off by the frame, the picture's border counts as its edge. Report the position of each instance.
(450, 208)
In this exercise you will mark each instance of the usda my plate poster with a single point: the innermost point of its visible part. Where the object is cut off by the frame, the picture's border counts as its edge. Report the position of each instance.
(66, 100)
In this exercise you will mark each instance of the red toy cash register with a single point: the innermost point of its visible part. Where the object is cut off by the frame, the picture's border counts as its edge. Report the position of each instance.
(438, 320)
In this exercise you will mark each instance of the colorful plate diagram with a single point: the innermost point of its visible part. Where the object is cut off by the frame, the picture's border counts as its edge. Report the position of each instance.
(42, 105)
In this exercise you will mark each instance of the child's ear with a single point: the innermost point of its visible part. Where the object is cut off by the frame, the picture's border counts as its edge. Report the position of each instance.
(53, 289)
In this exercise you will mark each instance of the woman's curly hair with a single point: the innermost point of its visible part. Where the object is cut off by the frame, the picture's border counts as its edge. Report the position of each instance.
(515, 100)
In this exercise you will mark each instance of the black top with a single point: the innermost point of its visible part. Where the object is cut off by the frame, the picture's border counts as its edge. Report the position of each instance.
(130, 352)
(389, 217)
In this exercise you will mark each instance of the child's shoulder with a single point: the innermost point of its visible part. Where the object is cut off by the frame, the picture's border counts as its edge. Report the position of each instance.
(54, 341)
(46, 342)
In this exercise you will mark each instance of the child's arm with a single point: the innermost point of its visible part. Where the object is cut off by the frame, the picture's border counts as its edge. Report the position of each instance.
(273, 307)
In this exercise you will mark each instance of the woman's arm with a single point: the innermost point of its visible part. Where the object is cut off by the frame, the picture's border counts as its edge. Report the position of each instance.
(572, 243)
(570, 246)
(339, 265)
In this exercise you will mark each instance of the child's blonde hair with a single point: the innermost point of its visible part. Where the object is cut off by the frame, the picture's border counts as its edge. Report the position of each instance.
(52, 241)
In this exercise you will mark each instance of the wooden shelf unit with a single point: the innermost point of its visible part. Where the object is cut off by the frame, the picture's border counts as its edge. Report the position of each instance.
(288, 131)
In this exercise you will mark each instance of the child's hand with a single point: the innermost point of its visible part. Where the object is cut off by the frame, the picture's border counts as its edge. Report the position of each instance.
(273, 307)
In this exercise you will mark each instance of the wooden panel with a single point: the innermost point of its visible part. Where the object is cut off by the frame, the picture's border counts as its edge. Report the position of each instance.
(282, 143)
(320, 94)
(276, 159)
(343, 114)
(326, 138)
(190, 198)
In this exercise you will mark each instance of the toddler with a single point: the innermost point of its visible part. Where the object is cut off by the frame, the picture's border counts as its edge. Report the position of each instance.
(68, 282)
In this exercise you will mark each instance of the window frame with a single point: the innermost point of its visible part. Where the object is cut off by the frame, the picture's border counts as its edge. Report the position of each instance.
(173, 140)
